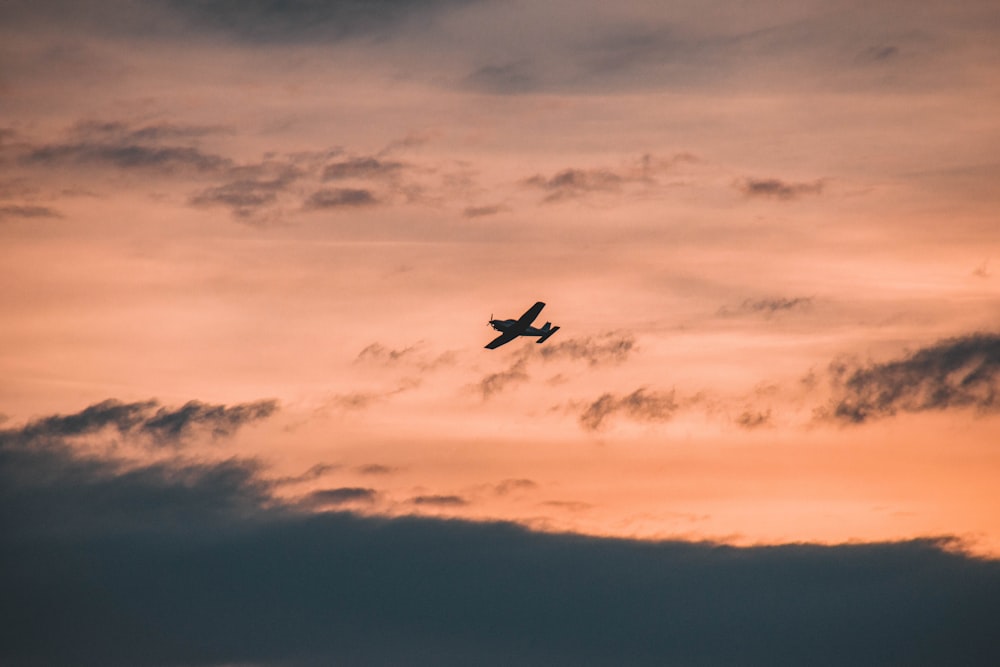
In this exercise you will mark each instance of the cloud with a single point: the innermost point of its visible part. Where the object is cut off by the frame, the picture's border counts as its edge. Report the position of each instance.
(181, 563)
(262, 21)
(483, 211)
(27, 211)
(612, 347)
(751, 419)
(769, 306)
(507, 78)
(314, 472)
(497, 382)
(361, 167)
(163, 425)
(778, 189)
(173, 426)
(243, 197)
(959, 372)
(378, 353)
(640, 405)
(879, 54)
(413, 356)
(117, 144)
(512, 485)
(376, 469)
(439, 501)
(341, 496)
(574, 183)
(360, 400)
(329, 198)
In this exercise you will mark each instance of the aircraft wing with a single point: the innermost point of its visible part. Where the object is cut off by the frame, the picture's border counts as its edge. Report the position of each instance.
(503, 338)
(529, 316)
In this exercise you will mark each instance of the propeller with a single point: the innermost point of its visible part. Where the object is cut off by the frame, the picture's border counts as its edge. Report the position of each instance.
(489, 322)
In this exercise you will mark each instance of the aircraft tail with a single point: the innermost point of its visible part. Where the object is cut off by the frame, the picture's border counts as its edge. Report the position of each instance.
(548, 332)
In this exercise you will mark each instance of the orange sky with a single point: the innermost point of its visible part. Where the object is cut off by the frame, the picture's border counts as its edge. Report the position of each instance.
(719, 206)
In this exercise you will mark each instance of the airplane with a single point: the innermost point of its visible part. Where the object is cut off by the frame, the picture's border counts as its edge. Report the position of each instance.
(511, 329)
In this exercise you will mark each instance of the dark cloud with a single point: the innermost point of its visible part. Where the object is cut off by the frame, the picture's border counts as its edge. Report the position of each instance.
(124, 417)
(778, 189)
(49, 490)
(572, 183)
(496, 382)
(163, 425)
(251, 189)
(242, 197)
(953, 373)
(180, 564)
(439, 501)
(361, 167)
(118, 144)
(640, 405)
(121, 132)
(306, 20)
(328, 198)
(483, 211)
(341, 496)
(27, 211)
(219, 420)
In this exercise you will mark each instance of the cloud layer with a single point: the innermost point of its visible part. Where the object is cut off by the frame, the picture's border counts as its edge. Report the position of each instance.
(195, 564)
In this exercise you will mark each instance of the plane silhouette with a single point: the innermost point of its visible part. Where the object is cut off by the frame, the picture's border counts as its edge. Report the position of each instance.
(511, 329)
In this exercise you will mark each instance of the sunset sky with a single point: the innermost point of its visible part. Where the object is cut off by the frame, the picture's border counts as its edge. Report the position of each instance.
(250, 250)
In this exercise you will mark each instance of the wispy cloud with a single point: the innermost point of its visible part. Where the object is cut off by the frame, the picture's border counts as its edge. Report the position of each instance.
(334, 198)
(118, 144)
(165, 426)
(367, 167)
(219, 420)
(26, 211)
(777, 188)
(376, 469)
(243, 197)
(378, 353)
(752, 419)
(439, 501)
(495, 383)
(953, 373)
(768, 306)
(513, 485)
(483, 211)
(611, 347)
(576, 182)
(641, 405)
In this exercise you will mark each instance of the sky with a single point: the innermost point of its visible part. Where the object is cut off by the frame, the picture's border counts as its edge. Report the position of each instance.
(249, 254)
